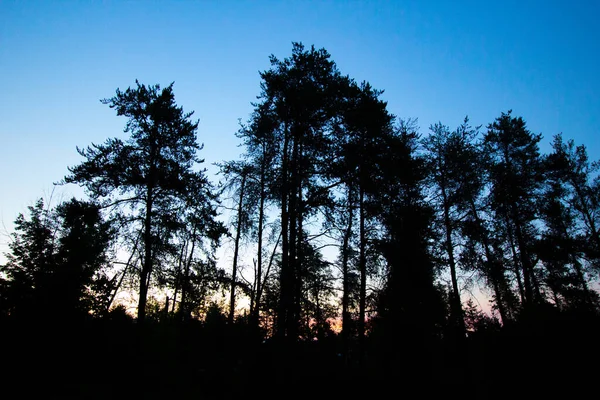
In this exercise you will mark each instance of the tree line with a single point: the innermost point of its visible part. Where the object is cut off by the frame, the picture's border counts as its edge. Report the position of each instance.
(326, 169)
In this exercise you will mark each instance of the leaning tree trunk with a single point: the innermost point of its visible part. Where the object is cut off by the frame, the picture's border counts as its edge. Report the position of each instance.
(186, 278)
(180, 266)
(493, 267)
(455, 301)
(127, 265)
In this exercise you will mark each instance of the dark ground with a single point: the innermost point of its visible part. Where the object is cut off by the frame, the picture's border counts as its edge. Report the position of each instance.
(123, 360)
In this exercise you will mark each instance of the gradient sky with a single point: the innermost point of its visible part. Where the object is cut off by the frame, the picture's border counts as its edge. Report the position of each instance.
(436, 61)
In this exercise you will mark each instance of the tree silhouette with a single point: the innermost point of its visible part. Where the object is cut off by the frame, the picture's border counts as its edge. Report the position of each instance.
(57, 264)
(360, 156)
(199, 234)
(261, 154)
(325, 166)
(451, 163)
(237, 176)
(152, 171)
(31, 263)
(82, 280)
(411, 311)
(516, 177)
(569, 167)
(298, 94)
(567, 210)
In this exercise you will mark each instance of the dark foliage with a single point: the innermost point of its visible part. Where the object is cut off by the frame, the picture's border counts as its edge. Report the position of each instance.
(326, 166)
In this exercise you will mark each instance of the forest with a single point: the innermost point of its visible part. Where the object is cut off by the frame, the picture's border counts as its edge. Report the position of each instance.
(353, 244)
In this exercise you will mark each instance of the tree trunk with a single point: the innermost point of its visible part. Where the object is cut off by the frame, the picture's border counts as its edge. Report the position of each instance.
(186, 278)
(498, 291)
(493, 267)
(455, 302)
(363, 279)
(236, 249)
(260, 289)
(299, 265)
(147, 266)
(114, 294)
(515, 261)
(281, 322)
(261, 211)
(525, 264)
(179, 274)
(291, 325)
(346, 276)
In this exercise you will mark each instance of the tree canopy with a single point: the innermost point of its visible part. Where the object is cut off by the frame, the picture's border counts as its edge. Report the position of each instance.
(355, 240)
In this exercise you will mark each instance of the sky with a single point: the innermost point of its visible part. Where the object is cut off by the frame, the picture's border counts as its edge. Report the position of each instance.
(437, 61)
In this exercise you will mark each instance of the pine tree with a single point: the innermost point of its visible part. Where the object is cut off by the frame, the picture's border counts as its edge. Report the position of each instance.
(516, 178)
(152, 172)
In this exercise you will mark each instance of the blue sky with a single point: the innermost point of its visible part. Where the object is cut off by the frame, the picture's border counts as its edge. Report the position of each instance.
(436, 61)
